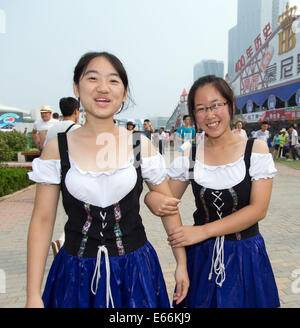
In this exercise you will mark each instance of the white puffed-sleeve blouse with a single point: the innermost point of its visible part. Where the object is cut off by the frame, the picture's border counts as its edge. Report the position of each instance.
(223, 176)
(99, 188)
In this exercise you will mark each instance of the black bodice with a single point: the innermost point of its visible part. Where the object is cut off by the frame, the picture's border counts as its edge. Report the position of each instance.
(215, 204)
(118, 227)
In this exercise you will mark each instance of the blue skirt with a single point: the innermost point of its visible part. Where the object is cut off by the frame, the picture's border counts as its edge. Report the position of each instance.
(249, 280)
(136, 281)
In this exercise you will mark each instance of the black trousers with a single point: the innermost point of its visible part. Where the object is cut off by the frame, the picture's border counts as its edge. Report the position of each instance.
(160, 146)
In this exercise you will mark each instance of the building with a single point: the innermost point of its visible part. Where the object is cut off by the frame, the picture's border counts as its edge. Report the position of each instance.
(12, 115)
(209, 67)
(181, 109)
(267, 85)
(253, 17)
(159, 121)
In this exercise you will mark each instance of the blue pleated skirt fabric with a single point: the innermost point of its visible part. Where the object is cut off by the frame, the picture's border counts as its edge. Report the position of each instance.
(136, 281)
(249, 281)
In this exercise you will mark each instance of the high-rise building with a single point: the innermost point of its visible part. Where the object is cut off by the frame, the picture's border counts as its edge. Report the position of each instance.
(209, 67)
(252, 17)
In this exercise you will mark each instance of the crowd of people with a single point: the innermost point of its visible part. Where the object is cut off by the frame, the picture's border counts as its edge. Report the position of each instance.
(167, 139)
(105, 259)
(284, 144)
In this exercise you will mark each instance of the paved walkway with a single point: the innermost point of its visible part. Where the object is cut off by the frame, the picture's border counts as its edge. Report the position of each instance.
(281, 230)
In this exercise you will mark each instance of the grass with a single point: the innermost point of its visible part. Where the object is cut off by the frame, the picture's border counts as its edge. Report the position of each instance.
(292, 164)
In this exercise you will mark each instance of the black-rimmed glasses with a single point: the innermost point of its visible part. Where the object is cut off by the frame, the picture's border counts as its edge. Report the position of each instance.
(216, 107)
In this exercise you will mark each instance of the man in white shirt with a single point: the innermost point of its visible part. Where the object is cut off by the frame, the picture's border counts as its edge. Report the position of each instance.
(41, 126)
(263, 134)
(69, 108)
(161, 140)
(294, 142)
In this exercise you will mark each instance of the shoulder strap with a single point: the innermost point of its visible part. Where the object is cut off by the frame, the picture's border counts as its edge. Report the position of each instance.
(63, 151)
(69, 128)
(248, 152)
(136, 141)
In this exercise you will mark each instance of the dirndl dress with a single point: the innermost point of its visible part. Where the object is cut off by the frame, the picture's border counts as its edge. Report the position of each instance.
(231, 271)
(106, 260)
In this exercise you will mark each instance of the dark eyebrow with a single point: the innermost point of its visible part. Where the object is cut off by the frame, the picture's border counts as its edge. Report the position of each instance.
(210, 102)
(96, 72)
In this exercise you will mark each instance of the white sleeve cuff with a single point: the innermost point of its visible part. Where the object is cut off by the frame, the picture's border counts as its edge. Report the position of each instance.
(179, 169)
(154, 169)
(262, 166)
(45, 171)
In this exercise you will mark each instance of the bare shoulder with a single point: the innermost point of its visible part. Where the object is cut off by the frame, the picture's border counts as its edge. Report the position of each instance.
(260, 146)
(51, 151)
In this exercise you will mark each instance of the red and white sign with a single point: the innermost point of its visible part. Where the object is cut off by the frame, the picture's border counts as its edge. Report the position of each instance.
(272, 60)
(271, 116)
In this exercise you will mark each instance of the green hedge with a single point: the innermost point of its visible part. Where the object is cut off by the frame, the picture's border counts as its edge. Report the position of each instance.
(13, 179)
(10, 143)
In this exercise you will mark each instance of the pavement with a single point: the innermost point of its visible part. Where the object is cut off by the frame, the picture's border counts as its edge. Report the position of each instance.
(280, 229)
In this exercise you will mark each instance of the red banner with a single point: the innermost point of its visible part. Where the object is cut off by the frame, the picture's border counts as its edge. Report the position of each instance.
(292, 115)
(270, 116)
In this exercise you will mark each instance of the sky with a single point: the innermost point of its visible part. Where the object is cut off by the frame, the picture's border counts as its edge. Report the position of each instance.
(158, 41)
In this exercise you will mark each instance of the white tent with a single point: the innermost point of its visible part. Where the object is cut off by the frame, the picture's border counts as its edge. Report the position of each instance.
(4, 108)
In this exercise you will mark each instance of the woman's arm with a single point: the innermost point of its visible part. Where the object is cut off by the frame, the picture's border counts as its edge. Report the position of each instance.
(40, 231)
(39, 239)
(171, 222)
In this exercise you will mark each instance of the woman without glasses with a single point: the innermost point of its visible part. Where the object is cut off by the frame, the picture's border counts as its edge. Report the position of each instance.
(106, 260)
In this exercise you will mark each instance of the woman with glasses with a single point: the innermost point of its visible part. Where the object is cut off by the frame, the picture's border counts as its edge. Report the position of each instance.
(231, 180)
(238, 129)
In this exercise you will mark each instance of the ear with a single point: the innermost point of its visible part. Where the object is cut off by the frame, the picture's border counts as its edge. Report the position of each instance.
(76, 90)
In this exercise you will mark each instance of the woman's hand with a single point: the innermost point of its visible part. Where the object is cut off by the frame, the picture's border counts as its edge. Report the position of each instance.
(187, 235)
(182, 283)
(161, 205)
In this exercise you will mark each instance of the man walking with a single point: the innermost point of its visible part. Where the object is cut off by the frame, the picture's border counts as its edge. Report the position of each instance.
(148, 129)
(186, 132)
(69, 108)
(41, 126)
(263, 134)
(294, 142)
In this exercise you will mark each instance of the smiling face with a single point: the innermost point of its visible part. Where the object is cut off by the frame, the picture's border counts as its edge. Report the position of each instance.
(100, 89)
(215, 122)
